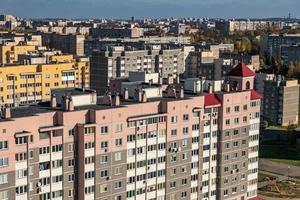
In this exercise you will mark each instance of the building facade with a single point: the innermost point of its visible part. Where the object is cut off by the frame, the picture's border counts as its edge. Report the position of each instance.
(117, 62)
(175, 147)
(281, 101)
(70, 44)
(31, 83)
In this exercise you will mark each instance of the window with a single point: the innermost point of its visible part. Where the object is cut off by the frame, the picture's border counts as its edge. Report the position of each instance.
(24, 140)
(3, 162)
(184, 156)
(103, 188)
(236, 108)
(227, 122)
(119, 142)
(247, 85)
(119, 128)
(89, 175)
(184, 143)
(21, 189)
(104, 129)
(3, 178)
(173, 184)
(118, 184)
(185, 130)
(89, 130)
(118, 156)
(3, 145)
(245, 107)
(225, 192)
(4, 195)
(71, 177)
(174, 119)
(236, 121)
(227, 110)
(57, 148)
(56, 179)
(104, 144)
(174, 132)
(103, 159)
(185, 117)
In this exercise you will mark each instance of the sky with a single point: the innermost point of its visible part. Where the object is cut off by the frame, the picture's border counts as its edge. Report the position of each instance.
(125, 9)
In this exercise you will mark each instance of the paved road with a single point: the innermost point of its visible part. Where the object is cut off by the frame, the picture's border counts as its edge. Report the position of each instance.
(278, 168)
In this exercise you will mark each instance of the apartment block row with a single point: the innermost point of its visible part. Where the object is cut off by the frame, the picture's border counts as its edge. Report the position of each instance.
(117, 61)
(180, 146)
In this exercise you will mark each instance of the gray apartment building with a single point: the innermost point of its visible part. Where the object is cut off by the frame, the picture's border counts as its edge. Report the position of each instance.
(116, 32)
(271, 44)
(281, 101)
(118, 61)
(71, 43)
(290, 53)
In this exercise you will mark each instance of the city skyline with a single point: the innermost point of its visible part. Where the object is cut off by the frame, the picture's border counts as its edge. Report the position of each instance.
(147, 8)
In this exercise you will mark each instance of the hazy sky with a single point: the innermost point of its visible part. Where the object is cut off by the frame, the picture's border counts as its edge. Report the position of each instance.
(150, 8)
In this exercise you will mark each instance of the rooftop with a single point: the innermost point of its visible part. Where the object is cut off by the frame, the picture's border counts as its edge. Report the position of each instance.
(241, 70)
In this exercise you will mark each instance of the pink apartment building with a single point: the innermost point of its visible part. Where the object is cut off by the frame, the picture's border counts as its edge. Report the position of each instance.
(179, 146)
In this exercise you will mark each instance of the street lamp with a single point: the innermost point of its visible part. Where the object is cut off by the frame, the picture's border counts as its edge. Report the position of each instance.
(288, 172)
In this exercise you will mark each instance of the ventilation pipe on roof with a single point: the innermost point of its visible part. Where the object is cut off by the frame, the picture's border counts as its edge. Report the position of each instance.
(126, 94)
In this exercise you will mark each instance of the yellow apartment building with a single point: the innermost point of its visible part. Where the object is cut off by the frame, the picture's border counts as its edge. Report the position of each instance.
(27, 84)
(9, 53)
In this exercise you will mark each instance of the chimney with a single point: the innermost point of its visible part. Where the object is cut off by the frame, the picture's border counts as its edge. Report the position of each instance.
(170, 80)
(126, 94)
(181, 92)
(210, 89)
(160, 80)
(116, 100)
(107, 98)
(53, 102)
(70, 104)
(172, 92)
(6, 113)
(177, 79)
(144, 97)
(65, 103)
(227, 87)
(201, 85)
(138, 95)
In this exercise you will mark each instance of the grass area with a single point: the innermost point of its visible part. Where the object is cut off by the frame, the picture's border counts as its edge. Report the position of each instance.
(279, 154)
(288, 162)
(276, 127)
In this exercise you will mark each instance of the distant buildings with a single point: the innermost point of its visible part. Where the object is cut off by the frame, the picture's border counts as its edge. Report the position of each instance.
(118, 61)
(246, 25)
(281, 99)
(70, 44)
(271, 44)
(290, 53)
(214, 63)
(117, 32)
(32, 78)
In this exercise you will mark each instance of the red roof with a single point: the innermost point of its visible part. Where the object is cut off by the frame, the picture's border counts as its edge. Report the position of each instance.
(256, 198)
(255, 95)
(241, 70)
(211, 100)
